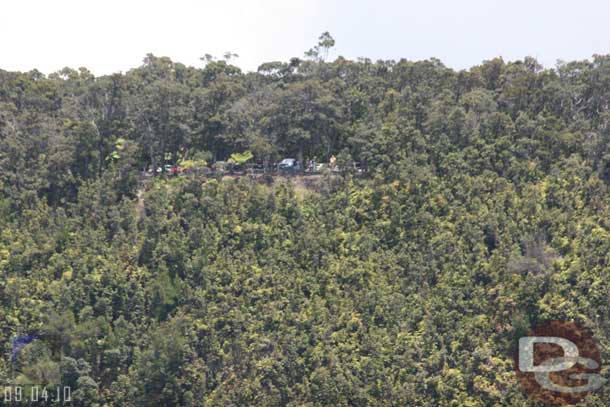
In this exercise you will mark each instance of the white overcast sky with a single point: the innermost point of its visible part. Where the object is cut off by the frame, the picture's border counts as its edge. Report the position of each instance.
(114, 35)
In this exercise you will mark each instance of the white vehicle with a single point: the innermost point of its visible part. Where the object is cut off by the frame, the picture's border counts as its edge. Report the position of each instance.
(289, 165)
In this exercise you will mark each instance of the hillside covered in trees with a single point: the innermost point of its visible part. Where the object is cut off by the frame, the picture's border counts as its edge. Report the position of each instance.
(485, 210)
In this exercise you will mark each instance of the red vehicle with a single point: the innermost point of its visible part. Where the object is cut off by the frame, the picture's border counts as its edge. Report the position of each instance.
(175, 170)
(171, 169)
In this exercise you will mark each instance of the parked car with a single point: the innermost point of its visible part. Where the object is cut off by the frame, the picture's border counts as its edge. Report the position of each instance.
(170, 169)
(176, 170)
(165, 168)
(289, 165)
(256, 168)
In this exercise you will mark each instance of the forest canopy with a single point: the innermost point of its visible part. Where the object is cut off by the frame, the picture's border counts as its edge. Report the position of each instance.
(484, 210)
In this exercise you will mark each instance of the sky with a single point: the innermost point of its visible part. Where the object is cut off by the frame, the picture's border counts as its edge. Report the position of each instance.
(114, 35)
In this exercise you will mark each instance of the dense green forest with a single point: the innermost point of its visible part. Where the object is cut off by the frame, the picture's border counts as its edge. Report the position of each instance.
(485, 210)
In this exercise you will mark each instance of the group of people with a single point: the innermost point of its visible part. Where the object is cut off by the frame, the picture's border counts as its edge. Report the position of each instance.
(313, 166)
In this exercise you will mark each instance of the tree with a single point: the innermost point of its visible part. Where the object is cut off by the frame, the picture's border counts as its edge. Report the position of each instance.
(320, 51)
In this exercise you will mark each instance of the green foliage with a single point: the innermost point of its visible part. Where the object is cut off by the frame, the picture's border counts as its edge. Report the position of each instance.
(485, 210)
(241, 158)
